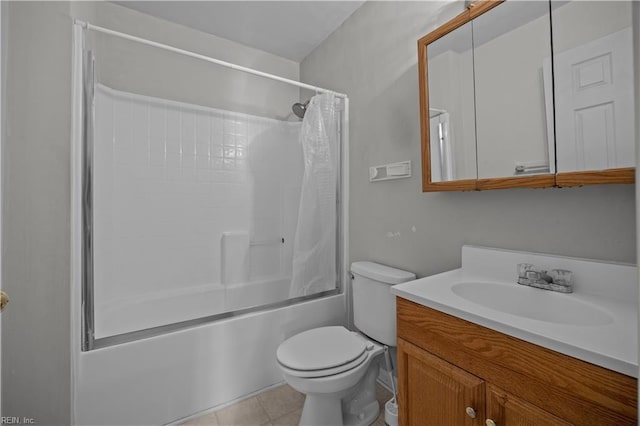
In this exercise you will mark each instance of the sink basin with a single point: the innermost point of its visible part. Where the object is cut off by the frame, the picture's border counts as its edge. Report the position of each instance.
(541, 305)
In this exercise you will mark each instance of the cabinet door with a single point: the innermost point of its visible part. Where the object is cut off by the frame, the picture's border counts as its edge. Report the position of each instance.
(505, 409)
(434, 392)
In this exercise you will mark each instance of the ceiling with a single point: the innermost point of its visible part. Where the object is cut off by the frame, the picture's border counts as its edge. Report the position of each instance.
(291, 29)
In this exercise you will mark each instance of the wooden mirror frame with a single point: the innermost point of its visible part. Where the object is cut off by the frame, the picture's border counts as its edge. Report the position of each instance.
(564, 179)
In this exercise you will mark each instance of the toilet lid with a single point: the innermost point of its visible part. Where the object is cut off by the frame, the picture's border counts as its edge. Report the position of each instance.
(320, 348)
(311, 374)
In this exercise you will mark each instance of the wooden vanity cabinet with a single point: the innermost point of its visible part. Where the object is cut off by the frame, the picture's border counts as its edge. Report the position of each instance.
(454, 372)
(433, 382)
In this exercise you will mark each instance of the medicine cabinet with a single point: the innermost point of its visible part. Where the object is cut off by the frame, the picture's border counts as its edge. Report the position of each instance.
(528, 94)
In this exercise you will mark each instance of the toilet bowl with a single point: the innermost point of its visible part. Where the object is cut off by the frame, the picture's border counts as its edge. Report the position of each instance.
(337, 368)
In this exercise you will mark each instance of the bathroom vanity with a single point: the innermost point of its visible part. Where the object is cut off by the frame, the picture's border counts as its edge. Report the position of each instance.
(518, 357)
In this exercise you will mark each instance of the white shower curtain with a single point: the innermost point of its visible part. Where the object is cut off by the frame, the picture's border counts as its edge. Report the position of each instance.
(314, 247)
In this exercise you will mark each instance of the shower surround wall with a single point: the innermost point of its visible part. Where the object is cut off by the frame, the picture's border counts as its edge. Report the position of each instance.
(195, 210)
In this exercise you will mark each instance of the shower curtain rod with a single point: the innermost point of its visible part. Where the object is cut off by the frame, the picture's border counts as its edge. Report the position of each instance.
(89, 26)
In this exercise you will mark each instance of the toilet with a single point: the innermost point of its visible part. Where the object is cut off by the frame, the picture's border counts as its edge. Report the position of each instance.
(336, 368)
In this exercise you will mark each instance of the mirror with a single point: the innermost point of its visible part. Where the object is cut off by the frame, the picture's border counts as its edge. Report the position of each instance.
(500, 109)
(451, 106)
(514, 133)
(594, 86)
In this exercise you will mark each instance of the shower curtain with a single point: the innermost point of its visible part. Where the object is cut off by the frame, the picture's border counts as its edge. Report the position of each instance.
(314, 247)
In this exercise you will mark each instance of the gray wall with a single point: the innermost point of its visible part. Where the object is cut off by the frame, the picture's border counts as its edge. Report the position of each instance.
(134, 67)
(373, 58)
(36, 327)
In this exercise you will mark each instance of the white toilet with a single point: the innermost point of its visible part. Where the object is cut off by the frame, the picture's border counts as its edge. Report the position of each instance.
(337, 368)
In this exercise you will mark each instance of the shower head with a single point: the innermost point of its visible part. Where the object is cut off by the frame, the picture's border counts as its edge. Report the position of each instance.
(300, 108)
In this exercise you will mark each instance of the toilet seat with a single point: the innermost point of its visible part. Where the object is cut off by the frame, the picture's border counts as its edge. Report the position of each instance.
(322, 352)
(310, 374)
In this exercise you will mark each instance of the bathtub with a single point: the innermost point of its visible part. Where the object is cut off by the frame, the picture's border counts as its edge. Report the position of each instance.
(168, 377)
(131, 314)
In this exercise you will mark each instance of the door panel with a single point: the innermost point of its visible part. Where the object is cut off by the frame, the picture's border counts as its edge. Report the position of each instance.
(435, 392)
(508, 410)
(594, 104)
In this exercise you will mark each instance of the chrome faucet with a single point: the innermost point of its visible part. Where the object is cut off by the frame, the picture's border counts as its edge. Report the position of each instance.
(560, 280)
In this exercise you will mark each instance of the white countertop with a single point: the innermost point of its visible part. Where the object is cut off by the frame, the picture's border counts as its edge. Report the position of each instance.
(613, 345)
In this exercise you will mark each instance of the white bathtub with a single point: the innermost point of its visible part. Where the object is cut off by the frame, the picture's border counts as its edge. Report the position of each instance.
(162, 379)
(169, 307)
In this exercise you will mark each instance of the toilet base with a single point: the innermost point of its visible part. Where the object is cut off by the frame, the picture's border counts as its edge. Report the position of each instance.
(321, 410)
(356, 406)
(362, 407)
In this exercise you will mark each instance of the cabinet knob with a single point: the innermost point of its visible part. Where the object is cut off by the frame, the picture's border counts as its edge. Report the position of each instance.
(471, 412)
(490, 422)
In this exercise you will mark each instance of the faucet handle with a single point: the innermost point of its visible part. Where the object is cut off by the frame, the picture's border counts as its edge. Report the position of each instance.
(533, 275)
(561, 276)
(523, 268)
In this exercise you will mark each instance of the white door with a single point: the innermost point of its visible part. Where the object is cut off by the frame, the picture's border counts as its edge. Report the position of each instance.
(594, 104)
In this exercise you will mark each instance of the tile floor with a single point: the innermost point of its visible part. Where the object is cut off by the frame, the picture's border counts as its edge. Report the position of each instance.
(279, 406)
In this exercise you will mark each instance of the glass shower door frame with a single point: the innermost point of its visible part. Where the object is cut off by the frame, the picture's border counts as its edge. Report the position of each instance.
(86, 100)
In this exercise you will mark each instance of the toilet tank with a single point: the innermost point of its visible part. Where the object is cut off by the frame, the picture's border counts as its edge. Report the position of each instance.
(374, 307)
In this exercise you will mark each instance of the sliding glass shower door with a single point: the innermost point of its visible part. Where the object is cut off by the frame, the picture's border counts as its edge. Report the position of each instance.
(191, 201)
